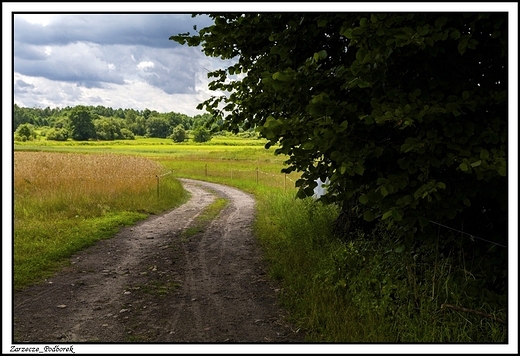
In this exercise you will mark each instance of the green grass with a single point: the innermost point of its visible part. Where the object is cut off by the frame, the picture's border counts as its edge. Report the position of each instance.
(150, 146)
(362, 290)
(202, 221)
(42, 246)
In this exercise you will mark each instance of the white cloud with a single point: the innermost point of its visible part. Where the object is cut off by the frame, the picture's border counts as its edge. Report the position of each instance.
(136, 94)
(145, 65)
(40, 19)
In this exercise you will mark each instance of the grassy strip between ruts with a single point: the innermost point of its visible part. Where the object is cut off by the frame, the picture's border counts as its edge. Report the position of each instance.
(203, 220)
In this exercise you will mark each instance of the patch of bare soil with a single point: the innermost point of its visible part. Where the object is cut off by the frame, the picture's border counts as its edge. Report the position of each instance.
(150, 284)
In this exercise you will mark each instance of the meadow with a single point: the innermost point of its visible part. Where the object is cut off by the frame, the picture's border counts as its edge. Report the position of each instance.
(357, 291)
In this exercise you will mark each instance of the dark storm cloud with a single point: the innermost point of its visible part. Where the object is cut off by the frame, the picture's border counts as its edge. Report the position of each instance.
(150, 30)
(22, 87)
(93, 49)
(174, 74)
(82, 63)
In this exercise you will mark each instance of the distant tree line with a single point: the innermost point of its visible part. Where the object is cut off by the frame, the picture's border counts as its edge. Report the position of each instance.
(83, 123)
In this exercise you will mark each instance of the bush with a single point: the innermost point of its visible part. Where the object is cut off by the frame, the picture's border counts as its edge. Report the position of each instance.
(57, 134)
(201, 134)
(26, 132)
(127, 134)
(179, 134)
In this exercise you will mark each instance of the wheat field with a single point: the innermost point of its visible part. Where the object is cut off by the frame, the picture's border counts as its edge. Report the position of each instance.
(47, 173)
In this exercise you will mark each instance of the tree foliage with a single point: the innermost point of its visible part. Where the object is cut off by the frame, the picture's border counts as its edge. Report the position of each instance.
(405, 113)
(108, 128)
(178, 134)
(58, 134)
(201, 134)
(157, 126)
(25, 132)
(81, 124)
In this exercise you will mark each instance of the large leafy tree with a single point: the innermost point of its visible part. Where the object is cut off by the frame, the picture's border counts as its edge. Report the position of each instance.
(81, 123)
(158, 126)
(405, 113)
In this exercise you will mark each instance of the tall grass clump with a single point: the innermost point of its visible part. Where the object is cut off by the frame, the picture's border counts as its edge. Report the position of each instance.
(64, 202)
(365, 288)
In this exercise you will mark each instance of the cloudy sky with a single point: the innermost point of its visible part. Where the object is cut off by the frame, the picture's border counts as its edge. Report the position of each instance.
(114, 60)
(120, 56)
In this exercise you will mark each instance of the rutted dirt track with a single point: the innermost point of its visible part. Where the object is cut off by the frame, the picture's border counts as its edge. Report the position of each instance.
(149, 284)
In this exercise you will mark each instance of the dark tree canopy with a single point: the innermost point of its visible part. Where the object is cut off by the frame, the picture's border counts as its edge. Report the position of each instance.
(405, 113)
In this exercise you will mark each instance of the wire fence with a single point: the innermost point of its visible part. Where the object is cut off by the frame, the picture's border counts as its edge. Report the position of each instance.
(159, 176)
(276, 180)
(472, 237)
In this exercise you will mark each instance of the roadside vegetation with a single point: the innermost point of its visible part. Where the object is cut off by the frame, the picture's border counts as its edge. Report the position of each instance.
(359, 288)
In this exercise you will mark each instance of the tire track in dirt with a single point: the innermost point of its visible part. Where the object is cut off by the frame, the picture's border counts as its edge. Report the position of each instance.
(149, 284)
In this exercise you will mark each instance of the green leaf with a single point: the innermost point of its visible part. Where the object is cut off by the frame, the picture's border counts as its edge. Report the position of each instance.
(400, 249)
(277, 76)
(423, 221)
(359, 169)
(406, 147)
(407, 199)
(322, 22)
(462, 48)
(476, 164)
(455, 35)
(320, 55)
(363, 199)
(386, 215)
(502, 171)
(308, 146)
(368, 216)
(463, 167)
(348, 33)
(397, 214)
(343, 168)
(441, 21)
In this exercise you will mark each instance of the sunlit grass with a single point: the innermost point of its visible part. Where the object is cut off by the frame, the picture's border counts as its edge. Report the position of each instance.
(148, 146)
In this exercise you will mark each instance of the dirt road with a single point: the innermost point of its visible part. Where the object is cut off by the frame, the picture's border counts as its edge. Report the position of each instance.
(150, 284)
